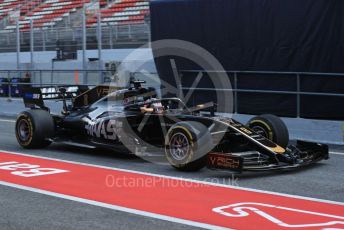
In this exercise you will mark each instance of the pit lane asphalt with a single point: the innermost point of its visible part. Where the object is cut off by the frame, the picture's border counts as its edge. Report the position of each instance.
(27, 210)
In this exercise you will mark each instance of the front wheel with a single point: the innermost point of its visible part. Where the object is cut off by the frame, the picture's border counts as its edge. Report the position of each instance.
(271, 127)
(187, 145)
(34, 128)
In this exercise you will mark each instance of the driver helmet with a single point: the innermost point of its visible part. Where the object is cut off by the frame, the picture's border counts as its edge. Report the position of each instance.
(158, 108)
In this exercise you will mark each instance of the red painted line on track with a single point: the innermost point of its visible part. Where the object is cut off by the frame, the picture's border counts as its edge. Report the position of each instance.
(236, 208)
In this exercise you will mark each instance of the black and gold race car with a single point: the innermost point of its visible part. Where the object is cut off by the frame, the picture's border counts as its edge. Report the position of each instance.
(134, 120)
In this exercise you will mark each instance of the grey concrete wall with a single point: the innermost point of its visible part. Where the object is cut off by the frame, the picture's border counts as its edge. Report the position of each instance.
(8, 60)
(142, 59)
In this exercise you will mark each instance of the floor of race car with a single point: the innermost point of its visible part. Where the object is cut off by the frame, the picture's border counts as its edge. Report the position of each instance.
(25, 208)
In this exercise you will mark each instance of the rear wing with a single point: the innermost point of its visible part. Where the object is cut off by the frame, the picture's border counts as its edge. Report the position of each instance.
(35, 96)
(81, 96)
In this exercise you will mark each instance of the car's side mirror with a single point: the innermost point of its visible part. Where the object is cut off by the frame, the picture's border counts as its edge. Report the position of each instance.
(208, 107)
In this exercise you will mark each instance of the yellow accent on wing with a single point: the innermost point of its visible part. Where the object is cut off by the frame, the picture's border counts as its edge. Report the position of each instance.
(278, 149)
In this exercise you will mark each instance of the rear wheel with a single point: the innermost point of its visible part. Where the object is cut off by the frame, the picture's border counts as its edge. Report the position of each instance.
(34, 128)
(271, 127)
(187, 145)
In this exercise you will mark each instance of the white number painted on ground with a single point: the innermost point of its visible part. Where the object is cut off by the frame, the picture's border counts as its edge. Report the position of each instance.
(245, 209)
(28, 170)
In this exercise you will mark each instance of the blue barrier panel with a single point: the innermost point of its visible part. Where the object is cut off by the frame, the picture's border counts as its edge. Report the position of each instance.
(3, 87)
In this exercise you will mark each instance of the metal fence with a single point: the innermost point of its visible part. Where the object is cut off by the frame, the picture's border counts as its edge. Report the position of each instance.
(112, 36)
(95, 77)
(297, 78)
(75, 34)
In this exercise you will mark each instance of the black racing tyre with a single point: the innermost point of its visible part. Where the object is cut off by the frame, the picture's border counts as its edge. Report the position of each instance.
(271, 127)
(34, 128)
(187, 145)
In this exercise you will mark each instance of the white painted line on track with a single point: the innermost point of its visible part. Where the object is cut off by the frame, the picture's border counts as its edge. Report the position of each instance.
(115, 207)
(337, 153)
(9, 121)
(182, 179)
(11, 99)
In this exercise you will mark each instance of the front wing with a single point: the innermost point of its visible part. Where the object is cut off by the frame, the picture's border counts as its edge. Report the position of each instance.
(299, 156)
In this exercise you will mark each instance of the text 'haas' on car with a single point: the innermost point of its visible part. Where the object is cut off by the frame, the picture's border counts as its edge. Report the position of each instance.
(190, 138)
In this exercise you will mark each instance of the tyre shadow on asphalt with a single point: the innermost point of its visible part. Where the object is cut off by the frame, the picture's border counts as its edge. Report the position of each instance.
(103, 153)
(97, 152)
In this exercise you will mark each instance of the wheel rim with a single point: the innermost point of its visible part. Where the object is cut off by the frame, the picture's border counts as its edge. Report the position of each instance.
(23, 130)
(179, 146)
(261, 131)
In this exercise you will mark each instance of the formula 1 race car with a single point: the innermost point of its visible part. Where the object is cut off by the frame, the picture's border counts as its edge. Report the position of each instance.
(134, 120)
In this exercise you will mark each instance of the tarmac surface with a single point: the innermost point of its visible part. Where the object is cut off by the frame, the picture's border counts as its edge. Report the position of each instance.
(28, 210)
